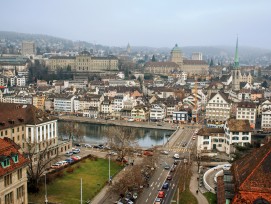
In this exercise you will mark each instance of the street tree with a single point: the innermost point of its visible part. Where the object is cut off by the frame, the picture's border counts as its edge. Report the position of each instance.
(123, 140)
(72, 130)
(39, 160)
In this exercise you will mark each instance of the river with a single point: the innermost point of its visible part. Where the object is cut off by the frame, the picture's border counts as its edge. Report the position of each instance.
(95, 134)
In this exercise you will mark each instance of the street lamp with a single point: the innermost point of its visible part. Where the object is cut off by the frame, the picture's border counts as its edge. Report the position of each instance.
(46, 199)
(109, 177)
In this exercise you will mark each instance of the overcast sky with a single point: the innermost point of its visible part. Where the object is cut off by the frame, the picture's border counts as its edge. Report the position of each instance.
(156, 23)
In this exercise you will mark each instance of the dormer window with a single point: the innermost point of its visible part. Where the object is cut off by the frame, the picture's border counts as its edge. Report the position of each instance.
(15, 158)
(5, 163)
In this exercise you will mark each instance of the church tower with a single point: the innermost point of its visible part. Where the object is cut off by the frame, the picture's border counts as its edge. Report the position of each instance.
(236, 74)
(176, 56)
(128, 49)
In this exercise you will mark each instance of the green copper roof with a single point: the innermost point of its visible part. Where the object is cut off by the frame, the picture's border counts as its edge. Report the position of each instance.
(176, 48)
(236, 58)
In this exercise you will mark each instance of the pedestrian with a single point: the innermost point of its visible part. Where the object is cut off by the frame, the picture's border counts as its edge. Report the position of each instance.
(197, 191)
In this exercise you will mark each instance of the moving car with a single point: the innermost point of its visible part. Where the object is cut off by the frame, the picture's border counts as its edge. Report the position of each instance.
(131, 120)
(167, 167)
(161, 194)
(169, 177)
(87, 145)
(158, 201)
(164, 152)
(176, 156)
(69, 160)
(165, 185)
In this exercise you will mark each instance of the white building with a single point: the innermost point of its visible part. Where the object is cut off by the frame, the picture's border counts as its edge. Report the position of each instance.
(247, 111)
(237, 132)
(157, 113)
(180, 117)
(266, 120)
(20, 81)
(64, 104)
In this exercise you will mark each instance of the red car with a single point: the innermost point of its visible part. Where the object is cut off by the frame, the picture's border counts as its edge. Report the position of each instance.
(75, 158)
(161, 194)
(148, 153)
(169, 177)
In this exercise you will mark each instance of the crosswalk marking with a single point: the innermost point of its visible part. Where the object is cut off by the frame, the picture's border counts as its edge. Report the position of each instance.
(179, 149)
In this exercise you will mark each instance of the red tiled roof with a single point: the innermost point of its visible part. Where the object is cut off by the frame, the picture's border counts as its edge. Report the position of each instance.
(7, 148)
(12, 115)
(252, 175)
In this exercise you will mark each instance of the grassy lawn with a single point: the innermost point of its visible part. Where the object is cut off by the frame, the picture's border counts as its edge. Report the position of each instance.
(188, 197)
(67, 188)
(210, 197)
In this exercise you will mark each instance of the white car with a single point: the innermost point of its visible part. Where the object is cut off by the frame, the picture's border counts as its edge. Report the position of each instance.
(176, 156)
(87, 145)
(131, 120)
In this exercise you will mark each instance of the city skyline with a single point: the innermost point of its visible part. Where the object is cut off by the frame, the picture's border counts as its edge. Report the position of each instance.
(152, 23)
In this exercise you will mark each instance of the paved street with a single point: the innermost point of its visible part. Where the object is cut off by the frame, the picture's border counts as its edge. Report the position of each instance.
(175, 145)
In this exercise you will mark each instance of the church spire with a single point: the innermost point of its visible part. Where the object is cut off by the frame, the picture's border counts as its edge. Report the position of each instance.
(236, 58)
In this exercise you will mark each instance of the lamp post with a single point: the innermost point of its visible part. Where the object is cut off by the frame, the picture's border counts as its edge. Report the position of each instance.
(109, 177)
(46, 199)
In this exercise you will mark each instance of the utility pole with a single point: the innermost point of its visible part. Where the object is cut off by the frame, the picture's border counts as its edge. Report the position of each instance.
(81, 193)
(178, 195)
(109, 177)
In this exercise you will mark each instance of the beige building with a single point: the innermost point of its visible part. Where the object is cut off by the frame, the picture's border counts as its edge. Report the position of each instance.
(85, 63)
(177, 63)
(196, 56)
(13, 174)
(58, 62)
(39, 102)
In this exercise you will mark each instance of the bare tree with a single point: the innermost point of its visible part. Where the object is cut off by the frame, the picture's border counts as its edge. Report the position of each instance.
(122, 140)
(72, 130)
(39, 161)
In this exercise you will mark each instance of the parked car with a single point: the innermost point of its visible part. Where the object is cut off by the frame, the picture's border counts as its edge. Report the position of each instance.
(131, 120)
(62, 163)
(76, 151)
(77, 145)
(176, 156)
(87, 145)
(135, 195)
(75, 158)
(96, 146)
(68, 154)
(164, 152)
(175, 162)
(113, 153)
(56, 166)
(194, 137)
(148, 153)
(184, 144)
(169, 177)
(161, 194)
(172, 169)
(69, 160)
(165, 185)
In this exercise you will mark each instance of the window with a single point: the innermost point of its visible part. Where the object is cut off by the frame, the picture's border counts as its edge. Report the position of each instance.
(20, 192)
(206, 137)
(235, 138)
(5, 163)
(244, 138)
(9, 198)
(20, 173)
(8, 180)
(245, 133)
(15, 158)
(235, 133)
(206, 142)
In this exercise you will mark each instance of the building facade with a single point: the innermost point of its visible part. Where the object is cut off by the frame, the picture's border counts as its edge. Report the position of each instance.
(247, 111)
(28, 48)
(13, 173)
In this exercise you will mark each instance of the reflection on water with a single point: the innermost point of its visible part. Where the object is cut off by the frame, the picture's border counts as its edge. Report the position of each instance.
(94, 133)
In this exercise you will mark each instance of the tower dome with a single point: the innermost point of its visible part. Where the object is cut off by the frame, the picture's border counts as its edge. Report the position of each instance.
(176, 55)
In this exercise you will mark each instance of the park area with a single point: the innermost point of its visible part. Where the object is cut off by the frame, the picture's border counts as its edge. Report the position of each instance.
(65, 186)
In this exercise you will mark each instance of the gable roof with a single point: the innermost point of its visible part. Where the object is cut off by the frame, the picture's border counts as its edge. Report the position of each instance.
(239, 125)
(225, 96)
(7, 149)
(210, 131)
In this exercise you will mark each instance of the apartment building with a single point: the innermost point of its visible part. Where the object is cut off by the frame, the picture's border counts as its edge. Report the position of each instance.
(106, 106)
(157, 112)
(218, 109)
(237, 132)
(39, 101)
(64, 103)
(266, 120)
(247, 111)
(140, 113)
(180, 116)
(13, 173)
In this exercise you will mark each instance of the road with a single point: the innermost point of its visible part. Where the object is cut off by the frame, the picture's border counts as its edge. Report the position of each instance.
(174, 145)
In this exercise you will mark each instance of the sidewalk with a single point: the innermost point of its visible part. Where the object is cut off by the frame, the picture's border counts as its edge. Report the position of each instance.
(194, 186)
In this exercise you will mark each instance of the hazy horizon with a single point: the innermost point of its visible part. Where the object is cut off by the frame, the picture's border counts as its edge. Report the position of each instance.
(143, 23)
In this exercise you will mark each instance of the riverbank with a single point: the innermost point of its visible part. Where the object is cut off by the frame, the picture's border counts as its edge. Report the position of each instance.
(152, 125)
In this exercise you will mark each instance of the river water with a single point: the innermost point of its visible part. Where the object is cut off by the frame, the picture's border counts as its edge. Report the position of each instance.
(95, 134)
